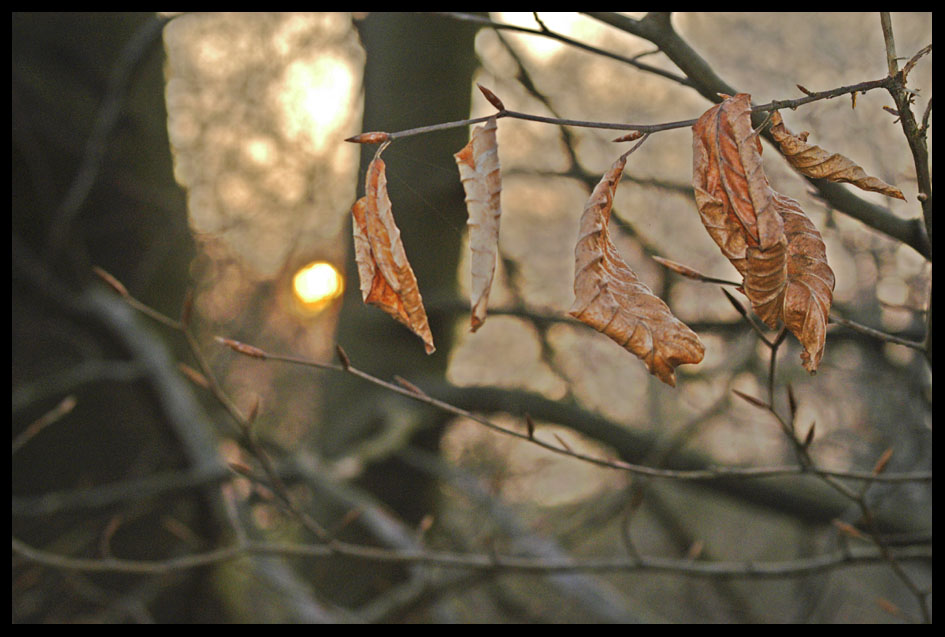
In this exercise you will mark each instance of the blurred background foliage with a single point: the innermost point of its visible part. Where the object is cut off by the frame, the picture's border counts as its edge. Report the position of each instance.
(203, 152)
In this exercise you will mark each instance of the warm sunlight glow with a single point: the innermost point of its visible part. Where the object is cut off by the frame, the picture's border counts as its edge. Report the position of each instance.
(543, 48)
(317, 98)
(317, 284)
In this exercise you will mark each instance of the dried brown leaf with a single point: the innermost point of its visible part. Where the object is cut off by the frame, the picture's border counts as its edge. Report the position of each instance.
(610, 298)
(765, 235)
(816, 162)
(478, 164)
(727, 169)
(810, 282)
(387, 280)
(765, 281)
(735, 202)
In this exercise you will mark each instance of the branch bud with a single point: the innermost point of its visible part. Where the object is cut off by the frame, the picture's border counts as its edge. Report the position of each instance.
(492, 97)
(376, 137)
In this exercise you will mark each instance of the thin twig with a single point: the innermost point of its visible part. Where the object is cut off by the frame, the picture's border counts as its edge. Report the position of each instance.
(643, 128)
(55, 414)
(545, 32)
(891, 59)
(713, 473)
(883, 336)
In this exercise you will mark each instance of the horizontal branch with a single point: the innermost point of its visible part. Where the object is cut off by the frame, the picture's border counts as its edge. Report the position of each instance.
(774, 105)
(482, 562)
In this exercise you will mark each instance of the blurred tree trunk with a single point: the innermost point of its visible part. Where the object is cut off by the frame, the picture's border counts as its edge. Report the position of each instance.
(93, 185)
(418, 71)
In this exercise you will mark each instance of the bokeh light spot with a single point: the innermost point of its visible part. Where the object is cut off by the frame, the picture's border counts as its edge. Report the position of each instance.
(317, 284)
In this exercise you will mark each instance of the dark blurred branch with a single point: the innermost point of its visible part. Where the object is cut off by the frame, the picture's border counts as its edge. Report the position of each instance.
(543, 31)
(122, 74)
(94, 305)
(489, 562)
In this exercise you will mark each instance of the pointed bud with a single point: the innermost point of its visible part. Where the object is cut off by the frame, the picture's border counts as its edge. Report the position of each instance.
(242, 348)
(112, 282)
(735, 302)
(369, 138)
(629, 137)
(493, 99)
(681, 269)
(751, 399)
(809, 438)
(792, 402)
(406, 384)
(343, 357)
(880, 465)
(848, 529)
(193, 375)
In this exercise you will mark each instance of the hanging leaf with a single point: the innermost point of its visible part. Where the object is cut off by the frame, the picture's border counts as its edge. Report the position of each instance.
(387, 280)
(610, 298)
(765, 281)
(809, 291)
(814, 161)
(727, 167)
(766, 235)
(478, 164)
(735, 202)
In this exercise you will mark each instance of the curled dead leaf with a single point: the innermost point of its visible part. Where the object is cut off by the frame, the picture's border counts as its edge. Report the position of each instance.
(766, 236)
(727, 167)
(735, 202)
(765, 280)
(610, 298)
(387, 280)
(816, 162)
(810, 282)
(478, 164)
